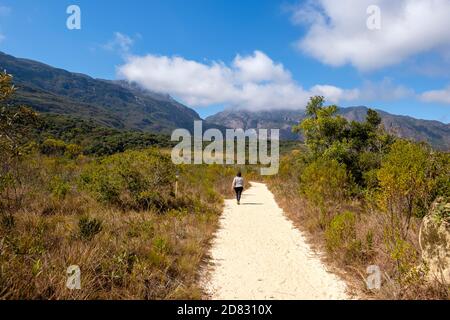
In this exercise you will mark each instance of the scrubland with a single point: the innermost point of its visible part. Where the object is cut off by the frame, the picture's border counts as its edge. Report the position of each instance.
(361, 195)
(115, 217)
(139, 227)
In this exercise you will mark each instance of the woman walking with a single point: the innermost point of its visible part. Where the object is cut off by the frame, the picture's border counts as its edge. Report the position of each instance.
(238, 186)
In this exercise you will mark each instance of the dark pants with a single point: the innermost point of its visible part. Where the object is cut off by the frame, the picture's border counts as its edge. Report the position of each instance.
(238, 191)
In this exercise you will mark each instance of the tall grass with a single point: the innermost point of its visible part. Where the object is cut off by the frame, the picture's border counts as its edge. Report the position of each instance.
(124, 251)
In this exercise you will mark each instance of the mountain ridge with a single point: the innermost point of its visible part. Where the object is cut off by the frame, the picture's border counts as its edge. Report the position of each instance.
(111, 103)
(122, 105)
(432, 131)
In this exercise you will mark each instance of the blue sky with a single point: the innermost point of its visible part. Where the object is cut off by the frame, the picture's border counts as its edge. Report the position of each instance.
(254, 54)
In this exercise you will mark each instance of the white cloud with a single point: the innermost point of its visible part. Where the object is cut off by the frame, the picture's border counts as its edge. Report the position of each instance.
(335, 94)
(437, 96)
(337, 33)
(120, 43)
(260, 67)
(253, 82)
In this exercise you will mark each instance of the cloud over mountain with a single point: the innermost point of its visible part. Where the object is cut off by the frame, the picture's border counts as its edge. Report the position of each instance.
(254, 82)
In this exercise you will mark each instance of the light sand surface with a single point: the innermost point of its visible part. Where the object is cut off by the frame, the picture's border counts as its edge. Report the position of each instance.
(259, 254)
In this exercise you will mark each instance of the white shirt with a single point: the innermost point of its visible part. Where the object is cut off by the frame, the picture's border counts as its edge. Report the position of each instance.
(238, 182)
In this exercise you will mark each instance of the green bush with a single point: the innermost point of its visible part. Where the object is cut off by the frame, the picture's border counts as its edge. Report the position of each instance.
(161, 245)
(133, 179)
(401, 252)
(341, 231)
(325, 180)
(441, 167)
(59, 188)
(53, 147)
(73, 151)
(89, 227)
(408, 179)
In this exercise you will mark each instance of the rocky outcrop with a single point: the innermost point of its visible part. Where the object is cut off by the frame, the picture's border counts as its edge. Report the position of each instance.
(435, 240)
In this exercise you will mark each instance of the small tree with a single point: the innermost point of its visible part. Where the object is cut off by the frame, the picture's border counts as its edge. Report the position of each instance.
(325, 181)
(329, 135)
(322, 127)
(15, 133)
(406, 180)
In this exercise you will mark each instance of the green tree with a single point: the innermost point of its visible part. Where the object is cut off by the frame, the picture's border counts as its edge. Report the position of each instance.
(15, 134)
(406, 183)
(329, 135)
(15, 122)
(322, 127)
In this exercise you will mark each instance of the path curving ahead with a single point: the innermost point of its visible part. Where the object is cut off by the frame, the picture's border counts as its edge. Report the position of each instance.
(259, 254)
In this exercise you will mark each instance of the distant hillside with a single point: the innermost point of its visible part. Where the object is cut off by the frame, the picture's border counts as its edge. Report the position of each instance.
(115, 104)
(93, 138)
(434, 132)
(121, 105)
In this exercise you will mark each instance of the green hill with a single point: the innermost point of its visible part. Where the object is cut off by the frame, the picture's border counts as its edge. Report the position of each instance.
(109, 103)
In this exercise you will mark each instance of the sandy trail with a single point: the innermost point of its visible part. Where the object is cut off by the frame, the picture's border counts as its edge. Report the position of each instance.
(259, 254)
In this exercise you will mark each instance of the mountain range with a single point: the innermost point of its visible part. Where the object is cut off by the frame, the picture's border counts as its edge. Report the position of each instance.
(123, 105)
(114, 104)
(434, 132)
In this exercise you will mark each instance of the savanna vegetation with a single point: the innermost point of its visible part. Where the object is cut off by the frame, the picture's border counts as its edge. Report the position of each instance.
(361, 194)
(72, 193)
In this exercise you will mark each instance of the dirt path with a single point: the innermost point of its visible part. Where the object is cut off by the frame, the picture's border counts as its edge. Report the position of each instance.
(259, 254)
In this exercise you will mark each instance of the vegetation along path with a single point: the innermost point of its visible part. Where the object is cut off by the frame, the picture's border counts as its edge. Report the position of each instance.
(259, 254)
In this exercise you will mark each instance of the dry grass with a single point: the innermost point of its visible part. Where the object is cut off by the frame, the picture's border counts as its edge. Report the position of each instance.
(350, 262)
(135, 254)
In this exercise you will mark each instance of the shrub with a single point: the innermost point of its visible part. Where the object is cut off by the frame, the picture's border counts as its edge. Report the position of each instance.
(440, 162)
(53, 147)
(89, 227)
(59, 188)
(401, 252)
(134, 179)
(406, 183)
(160, 245)
(341, 231)
(325, 180)
(73, 150)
